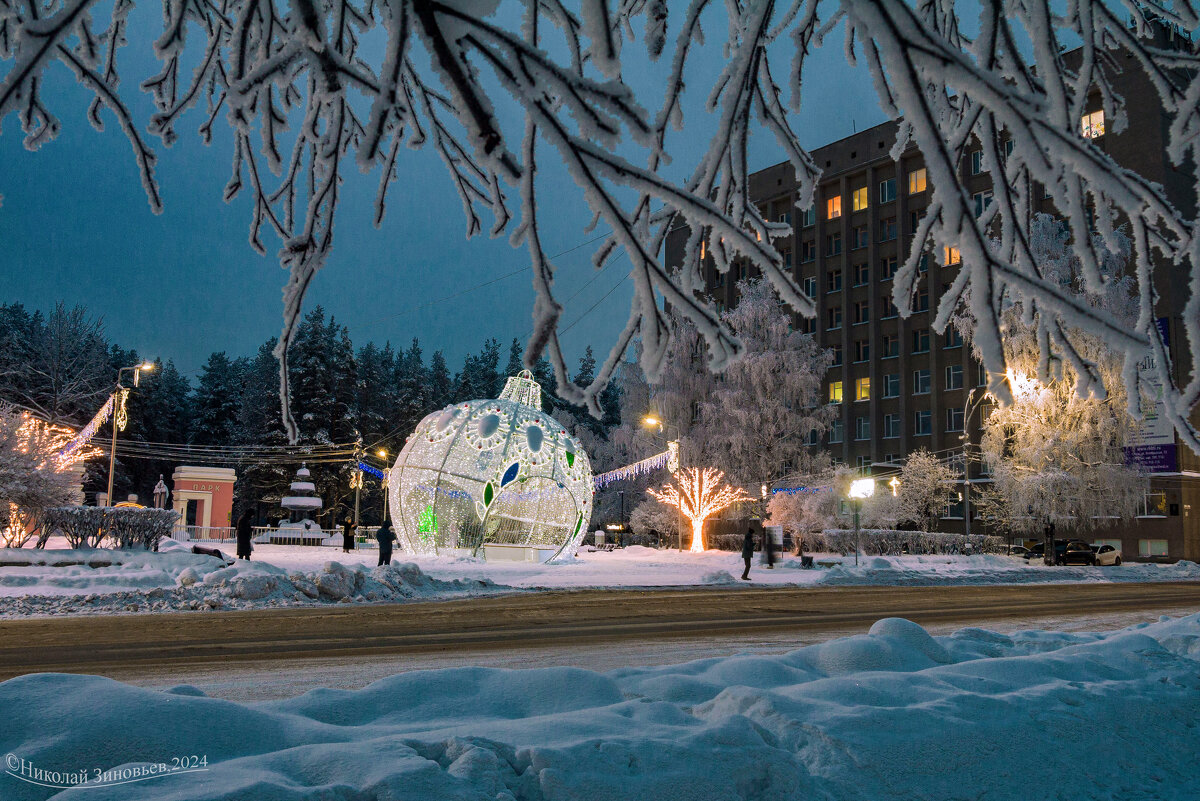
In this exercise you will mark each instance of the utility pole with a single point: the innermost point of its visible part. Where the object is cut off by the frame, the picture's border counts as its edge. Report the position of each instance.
(357, 478)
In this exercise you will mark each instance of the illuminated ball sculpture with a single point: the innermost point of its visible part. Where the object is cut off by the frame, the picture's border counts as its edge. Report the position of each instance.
(491, 471)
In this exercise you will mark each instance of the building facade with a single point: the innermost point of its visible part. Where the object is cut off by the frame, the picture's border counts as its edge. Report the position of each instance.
(900, 385)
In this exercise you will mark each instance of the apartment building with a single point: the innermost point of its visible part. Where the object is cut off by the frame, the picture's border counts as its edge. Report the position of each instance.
(900, 385)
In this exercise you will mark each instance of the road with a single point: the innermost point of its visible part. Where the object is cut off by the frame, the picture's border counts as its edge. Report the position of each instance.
(528, 628)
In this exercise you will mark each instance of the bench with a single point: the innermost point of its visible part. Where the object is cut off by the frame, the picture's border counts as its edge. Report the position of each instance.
(829, 562)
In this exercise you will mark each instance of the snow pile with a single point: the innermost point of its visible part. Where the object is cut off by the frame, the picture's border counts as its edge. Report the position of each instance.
(179, 581)
(86, 570)
(895, 713)
(958, 570)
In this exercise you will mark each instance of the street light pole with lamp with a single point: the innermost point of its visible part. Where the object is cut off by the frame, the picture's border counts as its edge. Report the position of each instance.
(860, 488)
(120, 417)
(651, 421)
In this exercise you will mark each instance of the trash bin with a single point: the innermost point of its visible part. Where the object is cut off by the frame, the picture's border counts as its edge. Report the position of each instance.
(806, 561)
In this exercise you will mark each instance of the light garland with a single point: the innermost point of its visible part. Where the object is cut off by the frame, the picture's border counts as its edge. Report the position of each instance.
(371, 471)
(86, 433)
(649, 465)
(122, 418)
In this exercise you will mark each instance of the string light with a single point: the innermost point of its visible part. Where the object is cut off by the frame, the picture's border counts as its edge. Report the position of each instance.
(656, 462)
(698, 493)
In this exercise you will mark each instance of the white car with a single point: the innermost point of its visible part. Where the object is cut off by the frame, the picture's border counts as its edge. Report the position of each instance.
(1106, 555)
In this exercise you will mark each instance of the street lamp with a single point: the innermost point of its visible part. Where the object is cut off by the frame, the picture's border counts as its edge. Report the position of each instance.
(652, 421)
(120, 417)
(859, 488)
(382, 454)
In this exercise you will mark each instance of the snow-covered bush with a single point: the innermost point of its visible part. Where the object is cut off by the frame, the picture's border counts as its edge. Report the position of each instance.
(885, 542)
(288, 77)
(651, 517)
(117, 527)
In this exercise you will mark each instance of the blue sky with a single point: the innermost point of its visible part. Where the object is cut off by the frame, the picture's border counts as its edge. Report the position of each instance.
(75, 227)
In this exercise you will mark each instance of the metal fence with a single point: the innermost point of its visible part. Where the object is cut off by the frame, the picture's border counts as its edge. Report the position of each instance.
(262, 535)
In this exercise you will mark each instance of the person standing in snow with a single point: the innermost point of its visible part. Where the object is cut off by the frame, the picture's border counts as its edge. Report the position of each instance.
(385, 537)
(245, 530)
(747, 552)
(348, 528)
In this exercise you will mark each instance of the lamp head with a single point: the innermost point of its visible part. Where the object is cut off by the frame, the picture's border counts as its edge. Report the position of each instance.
(651, 420)
(862, 488)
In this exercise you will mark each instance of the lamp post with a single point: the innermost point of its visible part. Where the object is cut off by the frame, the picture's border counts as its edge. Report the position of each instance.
(382, 454)
(652, 421)
(859, 488)
(971, 408)
(119, 417)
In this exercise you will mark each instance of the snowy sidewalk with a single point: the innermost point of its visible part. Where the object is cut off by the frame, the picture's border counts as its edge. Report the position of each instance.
(895, 713)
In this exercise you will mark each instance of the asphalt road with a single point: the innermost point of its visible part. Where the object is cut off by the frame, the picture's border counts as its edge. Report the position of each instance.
(117, 644)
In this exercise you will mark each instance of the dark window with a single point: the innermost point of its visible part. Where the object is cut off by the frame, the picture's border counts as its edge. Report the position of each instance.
(834, 243)
(891, 346)
(887, 268)
(859, 237)
(920, 338)
(954, 419)
(921, 302)
(862, 350)
(837, 355)
(833, 318)
(954, 376)
(833, 281)
(891, 385)
(891, 426)
(887, 229)
(923, 423)
(920, 382)
(862, 312)
(808, 250)
(889, 308)
(887, 190)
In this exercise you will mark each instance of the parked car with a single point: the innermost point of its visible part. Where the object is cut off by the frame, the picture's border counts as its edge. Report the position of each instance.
(1066, 552)
(1106, 555)
(1074, 552)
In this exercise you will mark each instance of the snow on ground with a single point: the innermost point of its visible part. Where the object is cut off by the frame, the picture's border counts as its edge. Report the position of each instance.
(48, 582)
(36, 582)
(896, 713)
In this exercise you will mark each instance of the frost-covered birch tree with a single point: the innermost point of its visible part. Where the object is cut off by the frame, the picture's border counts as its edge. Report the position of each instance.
(925, 486)
(501, 91)
(1057, 450)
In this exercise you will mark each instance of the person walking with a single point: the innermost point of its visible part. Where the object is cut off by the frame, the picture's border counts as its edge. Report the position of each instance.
(747, 552)
(348, 529)
(385, 537)
(245, 530)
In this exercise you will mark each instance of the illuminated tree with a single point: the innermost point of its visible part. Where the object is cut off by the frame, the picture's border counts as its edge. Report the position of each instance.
(34, 473)
(698, 492)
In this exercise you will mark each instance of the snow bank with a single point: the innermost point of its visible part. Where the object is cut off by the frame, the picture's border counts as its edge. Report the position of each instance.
(895, 713)
(94, 582)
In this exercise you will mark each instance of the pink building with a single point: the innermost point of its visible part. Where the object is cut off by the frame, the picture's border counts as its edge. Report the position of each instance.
(210, 489)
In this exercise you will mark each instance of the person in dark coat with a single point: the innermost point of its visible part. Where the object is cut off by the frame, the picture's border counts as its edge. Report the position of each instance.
(245, 530)
(385, 537)
(348, 528)
(747, 552)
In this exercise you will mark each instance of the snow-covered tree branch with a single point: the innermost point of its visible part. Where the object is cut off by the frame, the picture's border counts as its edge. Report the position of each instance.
(304, 86)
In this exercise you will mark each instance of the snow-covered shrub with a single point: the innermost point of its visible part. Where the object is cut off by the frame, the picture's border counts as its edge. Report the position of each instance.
(117, 527)
(650, 517)
(890, 542)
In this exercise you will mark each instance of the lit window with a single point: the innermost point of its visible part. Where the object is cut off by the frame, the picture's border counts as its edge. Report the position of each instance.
(702, 250)
(887, 190)
(862, 388)
(833, 208)
(952, 255)
(835, 391)
(862, 428)
(916, 181)
(1154, 504)
(858, 199)
(1092, 125)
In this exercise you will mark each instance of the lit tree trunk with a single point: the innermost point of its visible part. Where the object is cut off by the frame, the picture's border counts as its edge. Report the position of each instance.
(698, 493)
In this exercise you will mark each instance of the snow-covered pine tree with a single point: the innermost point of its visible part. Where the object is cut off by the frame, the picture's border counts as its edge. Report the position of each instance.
(441, 385)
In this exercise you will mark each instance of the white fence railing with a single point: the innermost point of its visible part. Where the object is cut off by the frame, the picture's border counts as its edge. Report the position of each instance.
(330, 537)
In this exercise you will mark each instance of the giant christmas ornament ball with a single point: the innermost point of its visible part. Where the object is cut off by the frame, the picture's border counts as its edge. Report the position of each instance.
(490, 471)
